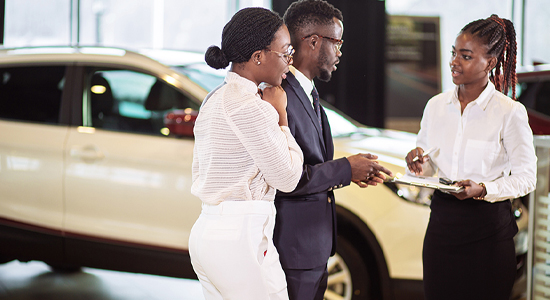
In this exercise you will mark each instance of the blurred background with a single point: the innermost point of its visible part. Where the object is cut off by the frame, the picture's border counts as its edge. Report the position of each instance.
(395, 56)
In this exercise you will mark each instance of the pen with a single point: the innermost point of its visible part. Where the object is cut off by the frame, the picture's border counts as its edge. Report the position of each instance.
(425, 153)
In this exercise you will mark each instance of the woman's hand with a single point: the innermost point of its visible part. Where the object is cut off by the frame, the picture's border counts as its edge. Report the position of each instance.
(276, 96)
(416, 166)
(471, 189)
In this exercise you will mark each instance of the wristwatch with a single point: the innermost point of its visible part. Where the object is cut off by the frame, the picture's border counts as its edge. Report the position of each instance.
(484, 189)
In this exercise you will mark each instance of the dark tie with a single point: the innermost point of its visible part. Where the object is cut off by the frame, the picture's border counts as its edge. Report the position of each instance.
(317, 105)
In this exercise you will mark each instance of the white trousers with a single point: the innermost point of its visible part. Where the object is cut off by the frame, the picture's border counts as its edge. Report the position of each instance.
(232, 252)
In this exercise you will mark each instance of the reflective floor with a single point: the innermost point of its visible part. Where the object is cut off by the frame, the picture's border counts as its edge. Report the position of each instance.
(34, 280)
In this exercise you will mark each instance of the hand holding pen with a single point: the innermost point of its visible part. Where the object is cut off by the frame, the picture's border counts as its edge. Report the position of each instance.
(416, 157)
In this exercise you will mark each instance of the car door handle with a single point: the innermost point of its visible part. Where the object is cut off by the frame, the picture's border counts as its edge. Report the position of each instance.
(87, 153)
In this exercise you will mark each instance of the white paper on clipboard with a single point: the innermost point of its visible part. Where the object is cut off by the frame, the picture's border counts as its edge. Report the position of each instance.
(427, 182)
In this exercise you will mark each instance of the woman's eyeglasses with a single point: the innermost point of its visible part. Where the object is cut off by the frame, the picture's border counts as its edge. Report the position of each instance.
(287, 57)
(337, 43)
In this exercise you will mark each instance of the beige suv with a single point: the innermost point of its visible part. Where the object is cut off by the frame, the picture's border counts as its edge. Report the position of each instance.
(95, 170)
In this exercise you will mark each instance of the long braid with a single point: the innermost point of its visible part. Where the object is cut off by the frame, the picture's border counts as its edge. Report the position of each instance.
(500, 37)
(511, 57)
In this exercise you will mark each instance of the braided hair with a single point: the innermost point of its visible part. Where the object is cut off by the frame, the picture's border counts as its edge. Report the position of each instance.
(499, 36)
(249, 30)
(310, 12)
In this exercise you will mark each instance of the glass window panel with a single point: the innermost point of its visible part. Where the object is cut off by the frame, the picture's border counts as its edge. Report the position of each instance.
(129, 101)
(31, 93)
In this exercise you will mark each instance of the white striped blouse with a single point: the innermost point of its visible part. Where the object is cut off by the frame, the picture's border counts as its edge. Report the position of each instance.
(241, 152)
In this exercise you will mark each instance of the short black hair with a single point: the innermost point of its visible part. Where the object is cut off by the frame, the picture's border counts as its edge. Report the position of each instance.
(310, 12)
(249, 30)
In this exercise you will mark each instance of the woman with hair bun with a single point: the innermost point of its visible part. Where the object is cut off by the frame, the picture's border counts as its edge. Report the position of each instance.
(244, 152)
(485, 145)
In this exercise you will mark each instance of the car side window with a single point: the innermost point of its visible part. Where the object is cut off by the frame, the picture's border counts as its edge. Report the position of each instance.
(130, 101)
(31, 94)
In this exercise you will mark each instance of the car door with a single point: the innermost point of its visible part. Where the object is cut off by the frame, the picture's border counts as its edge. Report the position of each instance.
(32, 136)
(127, 178)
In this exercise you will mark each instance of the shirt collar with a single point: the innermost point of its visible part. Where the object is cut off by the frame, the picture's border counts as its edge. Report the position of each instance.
(248, 85)
(306, 84)
(482, 100)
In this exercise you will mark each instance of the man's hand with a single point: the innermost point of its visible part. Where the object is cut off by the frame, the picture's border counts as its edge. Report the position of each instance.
(365, 170)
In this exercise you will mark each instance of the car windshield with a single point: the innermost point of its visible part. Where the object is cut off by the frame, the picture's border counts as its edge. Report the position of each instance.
(202, 74)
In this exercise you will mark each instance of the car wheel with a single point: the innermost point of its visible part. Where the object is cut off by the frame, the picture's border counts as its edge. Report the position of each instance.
(60, 268)
(348, 278)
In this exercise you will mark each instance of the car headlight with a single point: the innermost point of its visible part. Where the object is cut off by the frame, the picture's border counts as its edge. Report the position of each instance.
(411, 193)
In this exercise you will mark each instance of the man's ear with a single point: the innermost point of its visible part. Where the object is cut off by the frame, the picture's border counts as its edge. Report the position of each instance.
(492, 62)
(313, 42)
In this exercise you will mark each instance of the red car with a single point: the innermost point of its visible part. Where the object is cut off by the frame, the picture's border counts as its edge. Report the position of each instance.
(533, 90)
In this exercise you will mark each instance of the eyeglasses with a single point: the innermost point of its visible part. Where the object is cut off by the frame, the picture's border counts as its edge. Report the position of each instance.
(287, 57)
(337, 43)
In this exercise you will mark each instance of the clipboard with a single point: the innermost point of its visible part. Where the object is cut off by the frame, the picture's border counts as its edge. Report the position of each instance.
(427, 182)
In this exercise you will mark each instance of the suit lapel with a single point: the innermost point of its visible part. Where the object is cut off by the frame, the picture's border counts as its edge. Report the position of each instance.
(308, 107)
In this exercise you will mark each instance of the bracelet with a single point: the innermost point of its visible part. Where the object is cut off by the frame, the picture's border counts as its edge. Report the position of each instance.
(484, 189)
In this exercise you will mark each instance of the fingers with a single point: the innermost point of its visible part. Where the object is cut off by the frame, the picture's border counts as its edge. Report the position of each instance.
(415, 166)
(367, 170)
(471, 189)
(369, 156)
(360, 183)
(464, 183)
(374, 180)
(379, 168)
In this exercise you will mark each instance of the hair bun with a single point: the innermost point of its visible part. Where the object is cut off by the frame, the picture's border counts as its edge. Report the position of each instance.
(215, 58)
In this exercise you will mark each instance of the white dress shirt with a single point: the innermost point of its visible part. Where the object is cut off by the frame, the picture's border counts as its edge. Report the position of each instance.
(306, 84)
(241, 152)
(490, 142)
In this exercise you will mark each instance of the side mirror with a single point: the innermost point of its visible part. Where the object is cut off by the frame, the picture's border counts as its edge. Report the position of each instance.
(180, 122)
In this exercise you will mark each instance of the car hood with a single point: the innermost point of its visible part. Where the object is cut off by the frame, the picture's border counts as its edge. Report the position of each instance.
(390, 146)
(350, 138)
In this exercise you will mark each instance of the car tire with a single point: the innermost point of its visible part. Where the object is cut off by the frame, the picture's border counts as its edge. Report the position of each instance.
(60, 268)
(348, 274)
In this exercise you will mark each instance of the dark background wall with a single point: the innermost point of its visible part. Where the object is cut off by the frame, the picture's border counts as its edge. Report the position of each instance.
(358, 86)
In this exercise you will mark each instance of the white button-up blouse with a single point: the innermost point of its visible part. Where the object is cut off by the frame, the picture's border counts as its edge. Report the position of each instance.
(490, 142)
(241, 152)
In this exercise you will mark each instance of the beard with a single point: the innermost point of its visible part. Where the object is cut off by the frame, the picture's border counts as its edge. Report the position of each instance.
(324, 73)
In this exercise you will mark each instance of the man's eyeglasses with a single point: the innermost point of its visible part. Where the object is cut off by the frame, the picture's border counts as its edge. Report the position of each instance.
(287, 57)
(337, 43)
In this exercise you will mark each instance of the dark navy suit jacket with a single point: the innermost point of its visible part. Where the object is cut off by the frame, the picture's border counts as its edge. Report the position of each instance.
(305, 227)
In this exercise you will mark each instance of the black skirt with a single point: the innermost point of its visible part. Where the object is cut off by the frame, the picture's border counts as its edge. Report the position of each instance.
(469, 250)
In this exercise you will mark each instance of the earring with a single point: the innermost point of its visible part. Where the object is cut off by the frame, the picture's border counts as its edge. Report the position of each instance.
(258, 62)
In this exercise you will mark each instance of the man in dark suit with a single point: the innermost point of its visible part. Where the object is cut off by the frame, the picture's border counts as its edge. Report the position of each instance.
(305, 227)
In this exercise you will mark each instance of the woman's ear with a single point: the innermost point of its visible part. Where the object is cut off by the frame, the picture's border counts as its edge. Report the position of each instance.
(492, 62)
(257, 57)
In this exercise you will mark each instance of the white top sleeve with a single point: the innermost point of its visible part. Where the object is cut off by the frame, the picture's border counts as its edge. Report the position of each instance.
(518, 141)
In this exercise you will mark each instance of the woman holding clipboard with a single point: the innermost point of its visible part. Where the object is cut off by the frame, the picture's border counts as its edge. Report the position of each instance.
(485, 144)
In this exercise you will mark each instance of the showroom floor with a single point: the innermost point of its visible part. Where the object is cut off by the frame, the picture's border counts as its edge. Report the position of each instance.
(35, 281)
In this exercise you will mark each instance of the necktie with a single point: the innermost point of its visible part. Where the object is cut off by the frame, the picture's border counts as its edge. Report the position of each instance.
(317, 105)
